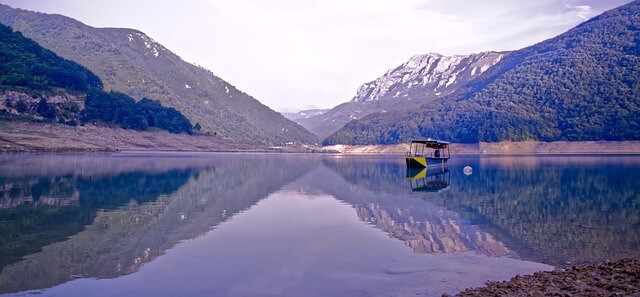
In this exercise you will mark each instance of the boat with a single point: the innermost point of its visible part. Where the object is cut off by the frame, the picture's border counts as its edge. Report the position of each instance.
(427, 153)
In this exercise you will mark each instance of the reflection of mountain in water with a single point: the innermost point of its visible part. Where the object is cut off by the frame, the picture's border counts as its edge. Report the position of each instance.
(103, 216)
(549, 210)
(423, 226)
(38, 191)
(430, 229)
(121, 237)
(555, 212)
(38, 211)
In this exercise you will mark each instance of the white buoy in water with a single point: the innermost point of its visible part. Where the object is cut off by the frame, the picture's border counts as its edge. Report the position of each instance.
(467, 170)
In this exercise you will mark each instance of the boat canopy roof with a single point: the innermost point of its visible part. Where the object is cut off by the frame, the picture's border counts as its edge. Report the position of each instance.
(431, 143)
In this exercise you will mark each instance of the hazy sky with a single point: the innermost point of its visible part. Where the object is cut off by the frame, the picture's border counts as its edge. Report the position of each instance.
(294, 54)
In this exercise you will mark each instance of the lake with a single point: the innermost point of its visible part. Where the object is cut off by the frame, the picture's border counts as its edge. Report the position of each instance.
(231, 224)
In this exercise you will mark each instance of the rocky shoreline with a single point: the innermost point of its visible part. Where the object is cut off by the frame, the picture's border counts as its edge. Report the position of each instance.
(614, 278)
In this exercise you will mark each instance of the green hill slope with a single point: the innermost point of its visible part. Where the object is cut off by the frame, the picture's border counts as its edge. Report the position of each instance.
(130, 62)
(26, 65)
(581, 85)
(36, 83)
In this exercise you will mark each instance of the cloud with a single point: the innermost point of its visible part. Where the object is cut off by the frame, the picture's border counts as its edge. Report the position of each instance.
(583, 11)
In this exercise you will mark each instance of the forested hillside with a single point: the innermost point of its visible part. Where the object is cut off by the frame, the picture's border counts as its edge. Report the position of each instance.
(24, 63)
(581, 85)
(35, 83)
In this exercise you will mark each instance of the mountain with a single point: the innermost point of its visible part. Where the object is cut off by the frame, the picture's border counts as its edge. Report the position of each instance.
(130, 62)
(303, 114)
(36, 83)
(579, 86)
(421, 80)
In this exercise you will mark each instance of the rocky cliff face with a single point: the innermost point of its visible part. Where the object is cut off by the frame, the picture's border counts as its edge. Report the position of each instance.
(419, 81)
(427, 76)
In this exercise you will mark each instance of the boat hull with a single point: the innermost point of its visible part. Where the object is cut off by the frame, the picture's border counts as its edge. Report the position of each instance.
(424, 162)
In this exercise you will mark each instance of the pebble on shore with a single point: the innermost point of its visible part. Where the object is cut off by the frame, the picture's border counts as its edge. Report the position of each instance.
(615, 278)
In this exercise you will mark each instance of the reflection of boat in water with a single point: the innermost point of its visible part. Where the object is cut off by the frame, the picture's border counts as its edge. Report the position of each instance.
(431, 179)
(427, 153)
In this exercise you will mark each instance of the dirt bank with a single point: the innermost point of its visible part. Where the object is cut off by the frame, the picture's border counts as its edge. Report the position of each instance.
(506, 148)
(34, 137)
(618, 278)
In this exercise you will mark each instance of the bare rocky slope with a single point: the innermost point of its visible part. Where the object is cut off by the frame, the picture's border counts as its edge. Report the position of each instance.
(421, 80)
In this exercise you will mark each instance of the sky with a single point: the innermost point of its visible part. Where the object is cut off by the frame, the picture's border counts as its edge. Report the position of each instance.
(300, 54)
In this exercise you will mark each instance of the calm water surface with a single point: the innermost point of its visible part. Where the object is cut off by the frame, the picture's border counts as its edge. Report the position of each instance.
(187, 224)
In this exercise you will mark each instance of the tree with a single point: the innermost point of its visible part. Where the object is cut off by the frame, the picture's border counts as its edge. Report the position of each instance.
(42, 106)
(120, 109)
(44, 109)
(21, 106)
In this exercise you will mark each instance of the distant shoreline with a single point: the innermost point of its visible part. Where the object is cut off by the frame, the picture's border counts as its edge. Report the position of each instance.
(506, 148)
(16, 137)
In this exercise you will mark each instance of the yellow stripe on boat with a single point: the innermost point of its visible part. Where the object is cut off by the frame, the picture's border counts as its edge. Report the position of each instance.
(416, 162)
